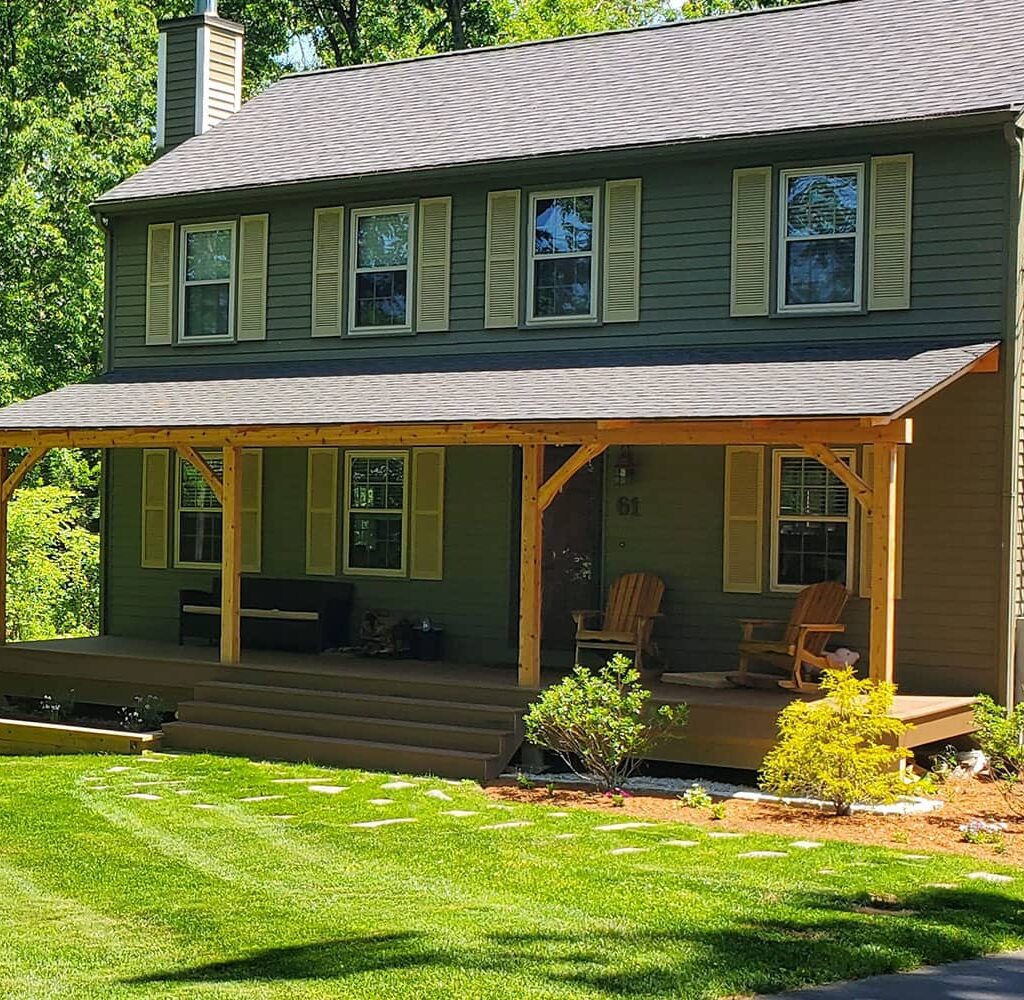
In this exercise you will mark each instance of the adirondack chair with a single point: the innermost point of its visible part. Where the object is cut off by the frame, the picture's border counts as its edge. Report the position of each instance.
(626, 623)
(815, 617)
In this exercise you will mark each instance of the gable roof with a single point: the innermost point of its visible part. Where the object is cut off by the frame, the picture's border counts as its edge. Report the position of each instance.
(834, 64)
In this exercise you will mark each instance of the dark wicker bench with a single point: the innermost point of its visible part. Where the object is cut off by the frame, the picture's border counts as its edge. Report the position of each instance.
(304, 615)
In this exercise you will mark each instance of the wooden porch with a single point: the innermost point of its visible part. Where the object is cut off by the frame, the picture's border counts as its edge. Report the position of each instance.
(458, 719)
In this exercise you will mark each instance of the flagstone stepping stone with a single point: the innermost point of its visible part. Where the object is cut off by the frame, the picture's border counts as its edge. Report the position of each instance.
(202, 805)
(144, 796)
(382, 802)
(261, 798)
(183, 791)
(436, 793)
(806, 845)
(827, 871)
(628, 850)
(328, 789)
(395, 785)
(915, 857)
(511, 825)
(99, 788)
(459, 813)
(120, 769)
(990, 877)
(940, 885)
(681, 843)
(565, 836)
(284, 816)
(763, 854)
(374, 823)
(294, 781)
(611, 827)
(558, 815)
(724, 835)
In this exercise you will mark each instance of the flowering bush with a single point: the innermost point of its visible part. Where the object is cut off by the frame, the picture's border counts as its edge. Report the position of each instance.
(1000, 735)
(983, 831)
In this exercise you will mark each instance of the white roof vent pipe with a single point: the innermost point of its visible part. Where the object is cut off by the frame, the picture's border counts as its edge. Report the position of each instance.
(206, 6)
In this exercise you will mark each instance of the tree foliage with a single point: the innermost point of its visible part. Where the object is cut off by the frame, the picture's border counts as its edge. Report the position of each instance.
(1000, 735)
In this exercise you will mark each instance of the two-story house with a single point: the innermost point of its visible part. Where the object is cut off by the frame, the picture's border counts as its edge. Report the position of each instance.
(736, 302)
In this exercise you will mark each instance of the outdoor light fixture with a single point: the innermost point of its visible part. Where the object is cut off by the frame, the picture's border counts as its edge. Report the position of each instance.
(623, 469)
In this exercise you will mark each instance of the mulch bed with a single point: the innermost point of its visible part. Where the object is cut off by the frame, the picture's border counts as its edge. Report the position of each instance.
(965, 799)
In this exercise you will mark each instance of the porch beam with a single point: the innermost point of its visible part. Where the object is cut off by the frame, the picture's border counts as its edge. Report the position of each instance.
(558, 479)
(201, 466)
(3, 549)
(11, 481)
(883, 564)
(862, 493)
(530, 550)
(231, 557)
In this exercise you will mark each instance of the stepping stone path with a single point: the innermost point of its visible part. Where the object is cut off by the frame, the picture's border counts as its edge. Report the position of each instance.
(507, 826)
(628, 850)
(374, 823)
(294, 781)
(990, 877)
(680, 843)
(261, 798)
(328, 789)
(382, 802)
(436, 793)
(395, 785)
(144, 796)
(806, 845)
(459, 813)
(724, 835)
(611, 827)
(764, 854)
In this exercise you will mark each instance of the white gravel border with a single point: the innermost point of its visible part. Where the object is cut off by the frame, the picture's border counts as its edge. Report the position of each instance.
(910, 805)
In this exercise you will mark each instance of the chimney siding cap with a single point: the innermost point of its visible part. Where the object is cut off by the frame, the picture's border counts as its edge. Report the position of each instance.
(197, 20)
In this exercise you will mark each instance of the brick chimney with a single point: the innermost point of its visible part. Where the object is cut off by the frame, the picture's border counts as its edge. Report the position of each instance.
(199, 74)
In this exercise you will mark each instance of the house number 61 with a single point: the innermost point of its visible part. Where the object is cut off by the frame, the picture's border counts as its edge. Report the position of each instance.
(629, 506)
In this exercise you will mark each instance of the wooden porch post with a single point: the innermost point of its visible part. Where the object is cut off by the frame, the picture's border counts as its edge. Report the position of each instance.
(231, 556)
(883, 563)
(4, 453)
(530, 567)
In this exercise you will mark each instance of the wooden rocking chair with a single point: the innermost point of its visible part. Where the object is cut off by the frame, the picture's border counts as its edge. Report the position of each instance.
(815, 617)
(627, 621)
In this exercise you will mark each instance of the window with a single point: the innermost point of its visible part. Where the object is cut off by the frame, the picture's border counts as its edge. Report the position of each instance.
(206, 306)
(562, 281)
(199, 518)
(812, 523)
(376, 512)
(820, 254)
(382, 253)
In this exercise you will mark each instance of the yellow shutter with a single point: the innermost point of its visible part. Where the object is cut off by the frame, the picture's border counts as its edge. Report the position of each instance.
(501, 282)
(622, 252)
(751, 241)
(160, 283)
(743, 549)
(433, 264)
(252, 277)
(327, 271)
(426, 540)
(156, 465)
(322, 511)
(252, 510)
(892, 180)
(868, 475)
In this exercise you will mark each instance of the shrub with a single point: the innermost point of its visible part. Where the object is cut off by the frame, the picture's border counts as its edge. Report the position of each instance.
(839, 749)
(1000, 735)
(58, 708)
(601, 724)
(143, 715)
(696, 797)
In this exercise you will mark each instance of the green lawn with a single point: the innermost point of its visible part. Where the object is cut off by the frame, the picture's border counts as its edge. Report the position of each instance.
(112, 897)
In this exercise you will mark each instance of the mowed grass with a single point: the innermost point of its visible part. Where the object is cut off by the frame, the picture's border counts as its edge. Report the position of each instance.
(108, 896)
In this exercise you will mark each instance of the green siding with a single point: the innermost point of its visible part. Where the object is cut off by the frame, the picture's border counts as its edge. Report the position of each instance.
(180, 119)
(960, 236)
(471, 602)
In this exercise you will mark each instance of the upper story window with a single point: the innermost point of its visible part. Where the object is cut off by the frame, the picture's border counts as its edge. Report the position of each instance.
(381, 281)
(562, 277)
(207, 282)
(820, 243)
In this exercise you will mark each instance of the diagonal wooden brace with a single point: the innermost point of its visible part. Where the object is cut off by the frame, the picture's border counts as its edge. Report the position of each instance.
(13, 480)
(862, 493)
(556, 483)
(201, 466)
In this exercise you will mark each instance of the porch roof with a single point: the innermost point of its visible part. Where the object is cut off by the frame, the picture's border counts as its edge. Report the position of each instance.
(874, 379)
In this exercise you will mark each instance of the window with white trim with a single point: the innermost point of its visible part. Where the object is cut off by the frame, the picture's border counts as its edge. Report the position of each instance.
(198, 517)
(376, 512)
(821, 239)
(206, 303)
(381, 270)
(562, 276)
(812, 522)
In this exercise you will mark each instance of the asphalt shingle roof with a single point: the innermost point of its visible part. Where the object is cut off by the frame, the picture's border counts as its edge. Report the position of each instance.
(827, 65)
(853, 380)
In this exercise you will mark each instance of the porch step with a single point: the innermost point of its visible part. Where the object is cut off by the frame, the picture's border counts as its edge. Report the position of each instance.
(377, 756)
(327, 677)
(351, 727)
(365, 705)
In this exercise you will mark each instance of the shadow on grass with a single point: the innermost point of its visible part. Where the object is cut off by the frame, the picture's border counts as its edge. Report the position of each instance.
(826, 939)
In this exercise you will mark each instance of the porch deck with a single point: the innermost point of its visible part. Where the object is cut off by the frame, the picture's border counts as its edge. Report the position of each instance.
(727, 728)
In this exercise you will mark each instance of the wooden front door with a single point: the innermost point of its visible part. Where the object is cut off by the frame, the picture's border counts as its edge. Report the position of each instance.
(572, 548)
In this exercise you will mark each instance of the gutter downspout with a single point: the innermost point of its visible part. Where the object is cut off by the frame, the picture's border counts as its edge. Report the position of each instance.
(108, 355)
(1010, 663)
